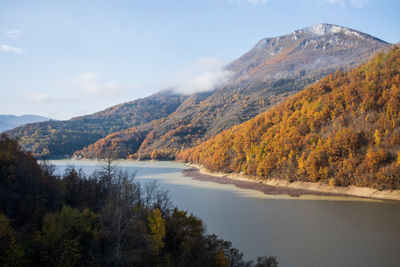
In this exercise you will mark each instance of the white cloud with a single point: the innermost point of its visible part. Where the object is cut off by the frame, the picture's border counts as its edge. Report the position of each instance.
(204, 82)
(249, 1)
(80, 88)
(204, 75)
(82, 94)
(90, 83)
(13, 33)
(39, 97)
(12, 49)
(340, 2)
(359, 3)
(36, 97)
(206, 63)
(343, 3)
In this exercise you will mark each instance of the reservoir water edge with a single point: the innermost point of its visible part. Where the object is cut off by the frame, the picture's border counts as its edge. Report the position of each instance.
(316, 231)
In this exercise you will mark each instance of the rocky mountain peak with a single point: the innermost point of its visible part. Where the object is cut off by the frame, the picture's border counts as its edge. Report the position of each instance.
(321, 47)
(324, 28)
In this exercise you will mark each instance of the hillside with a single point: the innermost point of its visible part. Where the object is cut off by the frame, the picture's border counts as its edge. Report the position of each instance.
(199, 117)
(118, 144)
(270, 72)
(61, 138)
(8, 122)
(343, 130)
(320, 47)
(265, 76)
(70, 220)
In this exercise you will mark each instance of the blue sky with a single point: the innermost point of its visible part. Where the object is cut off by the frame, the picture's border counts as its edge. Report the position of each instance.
(67, 58)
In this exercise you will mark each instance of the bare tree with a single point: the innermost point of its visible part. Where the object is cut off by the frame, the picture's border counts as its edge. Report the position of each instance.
(127, 202)
(119, 211)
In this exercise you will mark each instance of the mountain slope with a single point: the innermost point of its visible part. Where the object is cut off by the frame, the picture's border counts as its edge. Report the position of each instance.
(8, 122)
(193, 123)
(270, 72)
(62, 138)
(343, 130)
(321, 47)
(119, 144)
(273, 70)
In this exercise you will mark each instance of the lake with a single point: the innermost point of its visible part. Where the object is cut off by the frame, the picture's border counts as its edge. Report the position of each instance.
(323, 231)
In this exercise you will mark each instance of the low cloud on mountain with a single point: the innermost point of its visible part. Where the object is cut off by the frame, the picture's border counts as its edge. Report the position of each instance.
(205, 74)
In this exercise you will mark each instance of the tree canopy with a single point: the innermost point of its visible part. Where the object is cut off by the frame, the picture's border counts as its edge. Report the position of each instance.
(102, 219)
(343, 130)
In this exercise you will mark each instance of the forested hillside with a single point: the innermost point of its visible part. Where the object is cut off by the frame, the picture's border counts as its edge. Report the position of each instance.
(61, 138)
(272, 70)
(343, 130)
(263, 77)
(118, 144)
(192, 124)
(199, 117)
(103, 219)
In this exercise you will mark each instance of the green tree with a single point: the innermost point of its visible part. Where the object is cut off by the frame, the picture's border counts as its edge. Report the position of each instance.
(63, 237)
(157, 230)
(11, 252)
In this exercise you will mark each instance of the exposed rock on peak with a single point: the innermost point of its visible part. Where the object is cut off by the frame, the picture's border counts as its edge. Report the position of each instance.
(321, 48)
(323, 28)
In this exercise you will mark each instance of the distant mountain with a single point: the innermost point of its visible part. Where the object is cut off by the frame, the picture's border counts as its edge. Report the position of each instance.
(343, 130)
(8, 122)
(270, 72)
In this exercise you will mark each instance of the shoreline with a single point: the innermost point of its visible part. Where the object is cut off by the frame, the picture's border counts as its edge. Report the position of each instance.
(294, 189)
(281, 187)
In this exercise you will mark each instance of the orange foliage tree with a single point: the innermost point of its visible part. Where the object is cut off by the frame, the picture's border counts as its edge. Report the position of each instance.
(343, 130)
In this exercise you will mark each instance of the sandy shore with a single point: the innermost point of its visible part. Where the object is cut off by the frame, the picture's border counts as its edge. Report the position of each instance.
(282, 187)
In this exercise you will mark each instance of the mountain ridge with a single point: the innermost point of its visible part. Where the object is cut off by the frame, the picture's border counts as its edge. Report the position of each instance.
(57, 139)
(343, 130)
(262, 78)
(8, 122)
(258, 84)
(315, 37)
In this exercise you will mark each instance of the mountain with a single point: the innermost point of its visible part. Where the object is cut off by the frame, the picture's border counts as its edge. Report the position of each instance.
(119, 144)
(318, 48)
(343, 130)
(61, 138)
(272, 70)
(8, 122)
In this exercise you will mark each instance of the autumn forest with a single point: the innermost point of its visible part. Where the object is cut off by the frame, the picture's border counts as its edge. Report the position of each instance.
(343, 130)
(132, 133)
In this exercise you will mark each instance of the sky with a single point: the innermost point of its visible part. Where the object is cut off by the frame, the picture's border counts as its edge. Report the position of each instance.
(67, 58)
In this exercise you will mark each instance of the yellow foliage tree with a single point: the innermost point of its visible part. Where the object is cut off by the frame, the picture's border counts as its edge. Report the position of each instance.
(157, 230)
(345, 127)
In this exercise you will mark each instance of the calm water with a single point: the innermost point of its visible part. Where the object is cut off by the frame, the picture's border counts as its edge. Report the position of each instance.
(299, 232)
